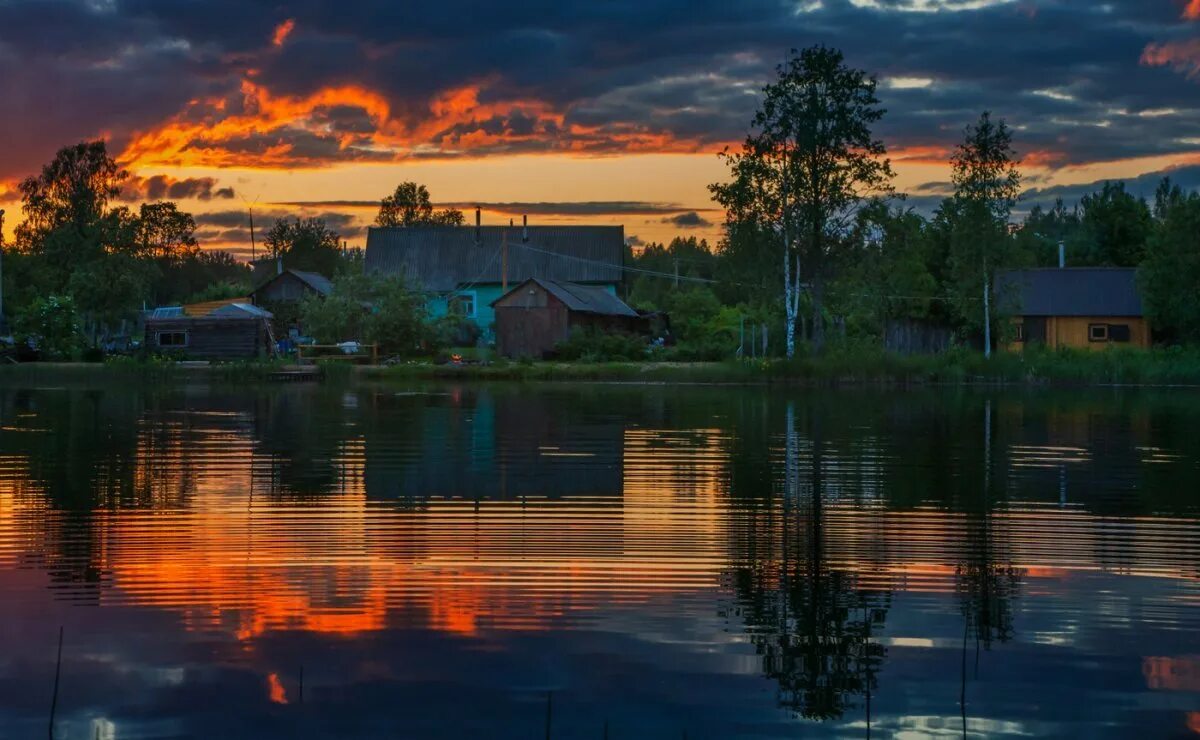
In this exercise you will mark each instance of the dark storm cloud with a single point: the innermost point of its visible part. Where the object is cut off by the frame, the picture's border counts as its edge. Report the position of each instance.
(1143, 186)
(159, 187)
(688, 220)
(585, 77)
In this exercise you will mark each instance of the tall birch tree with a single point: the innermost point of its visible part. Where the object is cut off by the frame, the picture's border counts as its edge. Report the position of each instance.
(808, 164)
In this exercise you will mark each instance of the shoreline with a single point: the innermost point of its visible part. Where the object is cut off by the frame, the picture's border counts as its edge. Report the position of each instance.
(1164, 369)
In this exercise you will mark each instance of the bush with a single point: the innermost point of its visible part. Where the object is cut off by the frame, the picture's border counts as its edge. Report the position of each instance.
(453, 331)
(51, 325)
(593, 345)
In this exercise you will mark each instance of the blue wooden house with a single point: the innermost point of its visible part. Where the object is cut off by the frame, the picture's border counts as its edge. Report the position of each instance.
(463, 269)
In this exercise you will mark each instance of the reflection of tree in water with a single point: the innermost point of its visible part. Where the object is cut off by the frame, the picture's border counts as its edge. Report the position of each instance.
(302, 434)
(78, 453)
(986, 580)
(812, 623)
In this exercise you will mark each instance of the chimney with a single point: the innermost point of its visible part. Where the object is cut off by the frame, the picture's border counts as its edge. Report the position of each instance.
(524, 228)
(478, 229)
(1062, 255)
(279, 265)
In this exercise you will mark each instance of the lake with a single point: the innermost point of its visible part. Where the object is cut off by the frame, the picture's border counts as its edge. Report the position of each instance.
(509, 561)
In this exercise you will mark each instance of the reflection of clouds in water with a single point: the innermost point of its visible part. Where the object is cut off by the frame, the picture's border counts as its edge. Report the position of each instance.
(486, 545)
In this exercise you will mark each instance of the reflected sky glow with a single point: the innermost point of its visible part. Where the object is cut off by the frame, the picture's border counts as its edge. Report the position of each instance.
(717, 561)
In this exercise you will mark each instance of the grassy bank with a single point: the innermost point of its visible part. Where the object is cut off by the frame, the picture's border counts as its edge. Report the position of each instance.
(850, 366)
(837, 366)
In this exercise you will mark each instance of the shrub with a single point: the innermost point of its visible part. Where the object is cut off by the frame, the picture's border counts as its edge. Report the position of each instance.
(51, 325)
(593, 345)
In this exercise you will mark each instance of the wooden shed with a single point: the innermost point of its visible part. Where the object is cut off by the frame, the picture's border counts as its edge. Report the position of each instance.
(228, 335)
(538, 314)
(290, 285)
(1080, 307)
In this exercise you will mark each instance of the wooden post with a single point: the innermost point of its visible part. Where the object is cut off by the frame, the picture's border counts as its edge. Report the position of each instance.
(57, 671)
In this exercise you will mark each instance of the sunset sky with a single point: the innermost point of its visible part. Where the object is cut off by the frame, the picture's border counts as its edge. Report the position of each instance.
(597, 112)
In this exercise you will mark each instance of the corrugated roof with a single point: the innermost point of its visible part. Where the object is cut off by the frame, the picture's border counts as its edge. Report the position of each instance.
(442, 258)
(238, 310)
(314, 280)
(1071, 291)
(204, 308)
(584, 298)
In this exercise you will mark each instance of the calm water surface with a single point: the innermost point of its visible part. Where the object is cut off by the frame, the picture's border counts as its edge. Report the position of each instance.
(408, 562)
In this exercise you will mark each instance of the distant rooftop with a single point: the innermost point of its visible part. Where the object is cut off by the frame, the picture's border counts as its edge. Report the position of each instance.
(1071, 291)
(442, 258)
(583, 298)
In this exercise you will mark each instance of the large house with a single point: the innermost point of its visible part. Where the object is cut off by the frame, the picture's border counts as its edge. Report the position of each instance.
(1082, 307)
(464, 269)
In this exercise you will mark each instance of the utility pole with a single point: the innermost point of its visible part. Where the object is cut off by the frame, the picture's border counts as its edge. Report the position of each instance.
(504, 263)
(253, 251)
(250, 208)
(987, 314)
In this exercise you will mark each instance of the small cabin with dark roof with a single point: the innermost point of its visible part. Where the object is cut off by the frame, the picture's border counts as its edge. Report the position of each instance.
(290, 286)
(463, 270)
(1082, 307)
(233, 331)
(538, 314)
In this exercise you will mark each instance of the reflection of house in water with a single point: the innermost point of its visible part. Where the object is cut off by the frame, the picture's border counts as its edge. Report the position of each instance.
(484, 445)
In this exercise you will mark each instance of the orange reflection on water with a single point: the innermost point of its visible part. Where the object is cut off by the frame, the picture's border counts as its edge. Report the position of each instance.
(1178, 673)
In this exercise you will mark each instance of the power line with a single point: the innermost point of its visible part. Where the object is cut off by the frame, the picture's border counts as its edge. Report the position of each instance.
(710, 281)
(624, 268)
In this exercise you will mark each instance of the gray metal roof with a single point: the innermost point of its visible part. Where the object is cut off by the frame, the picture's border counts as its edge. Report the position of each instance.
(443, 258)
(314, 280)
(1070, 291)
(239, 310)
(583, 298)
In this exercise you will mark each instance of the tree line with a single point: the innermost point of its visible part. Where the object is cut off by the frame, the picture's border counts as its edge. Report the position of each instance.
(817, 238)
(81, 266)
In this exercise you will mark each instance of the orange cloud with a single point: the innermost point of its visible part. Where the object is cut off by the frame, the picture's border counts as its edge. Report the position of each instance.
(282, 31)
(1182, 56)
(922, 154)
(1192, 11)
(259, 129)
(201, 134)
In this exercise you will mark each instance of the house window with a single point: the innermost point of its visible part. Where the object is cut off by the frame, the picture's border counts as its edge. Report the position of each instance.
(1097, 332)
(172, 339)
(1118, 332)
(463, 304)
(1020, 328)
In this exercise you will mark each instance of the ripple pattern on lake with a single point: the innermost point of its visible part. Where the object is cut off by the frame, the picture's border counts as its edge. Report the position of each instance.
(734, 562)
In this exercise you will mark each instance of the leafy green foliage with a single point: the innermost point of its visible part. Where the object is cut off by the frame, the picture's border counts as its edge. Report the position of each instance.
(370, 309)
(410, 206)
(305, 244)
(51, 324)
(690, 258)
(592, 345)
(804, 171)
(1171, 272)
(974, 221)
(1115, 227)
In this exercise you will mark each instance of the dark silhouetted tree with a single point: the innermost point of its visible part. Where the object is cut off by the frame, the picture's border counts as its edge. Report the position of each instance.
(410, 206)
